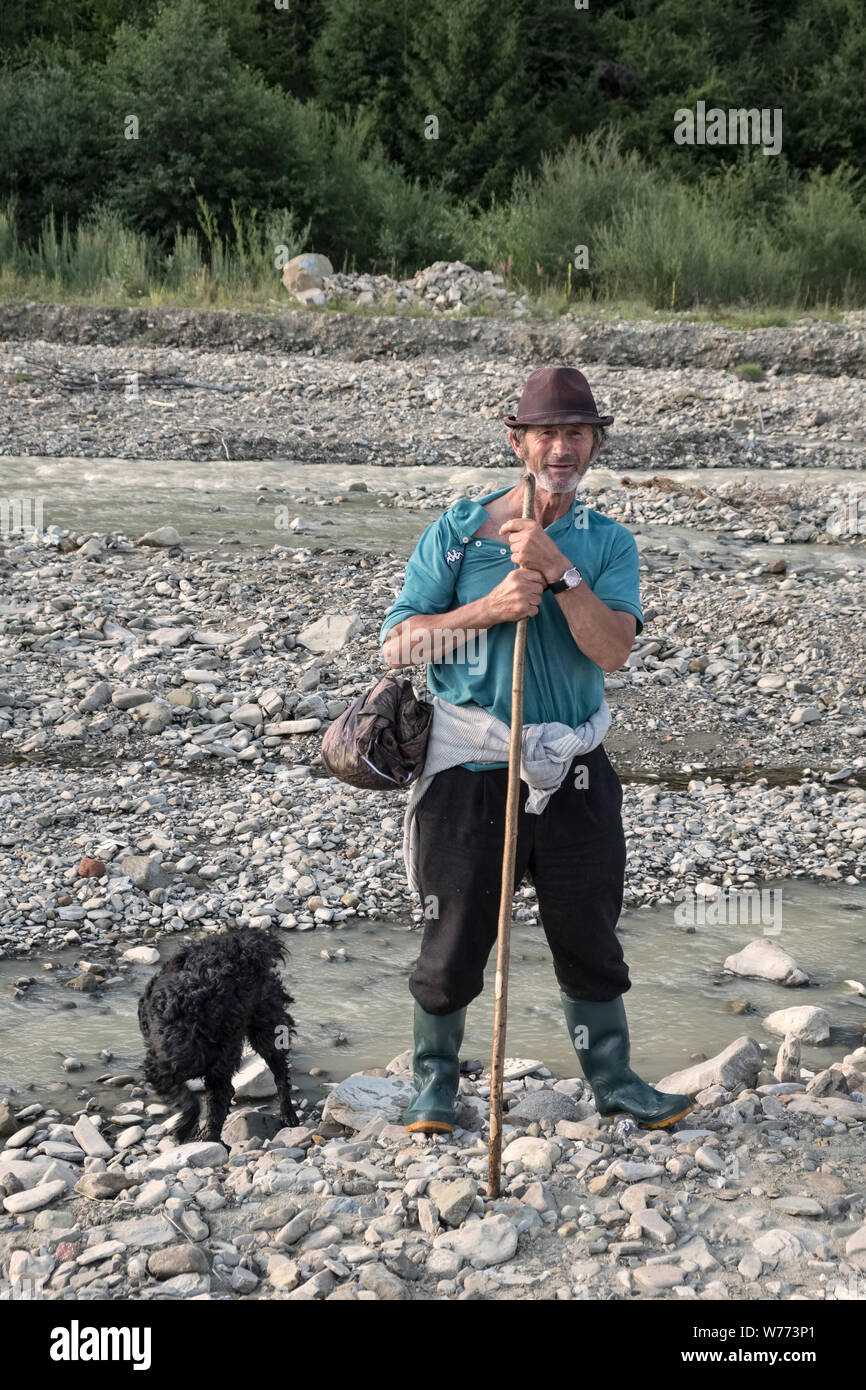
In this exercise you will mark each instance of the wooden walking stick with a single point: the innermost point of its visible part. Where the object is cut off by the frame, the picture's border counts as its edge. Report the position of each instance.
(506, 900)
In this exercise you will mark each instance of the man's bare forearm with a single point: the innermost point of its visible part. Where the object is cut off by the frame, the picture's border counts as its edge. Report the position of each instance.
(420, 630)
(605, 635)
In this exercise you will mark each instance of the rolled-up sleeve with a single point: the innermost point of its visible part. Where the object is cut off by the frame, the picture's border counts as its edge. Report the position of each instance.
(430, 579)
(618, 585)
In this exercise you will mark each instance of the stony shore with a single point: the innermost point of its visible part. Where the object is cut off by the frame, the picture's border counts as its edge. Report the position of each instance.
(317, 386)
(161, 711)
(757, 1193)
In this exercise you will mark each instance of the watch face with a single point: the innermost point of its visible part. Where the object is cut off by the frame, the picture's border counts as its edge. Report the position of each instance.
(572, 578)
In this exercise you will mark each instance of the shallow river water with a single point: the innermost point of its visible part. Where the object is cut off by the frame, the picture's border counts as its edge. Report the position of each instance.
(676, 1006)
(219, 503)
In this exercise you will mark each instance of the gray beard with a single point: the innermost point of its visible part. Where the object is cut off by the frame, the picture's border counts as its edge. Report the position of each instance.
(551, 483)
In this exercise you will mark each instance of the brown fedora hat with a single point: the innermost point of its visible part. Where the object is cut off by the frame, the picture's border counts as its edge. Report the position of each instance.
(557, 396)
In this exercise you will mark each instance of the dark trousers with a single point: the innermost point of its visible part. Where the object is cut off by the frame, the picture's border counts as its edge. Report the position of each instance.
(575, 853)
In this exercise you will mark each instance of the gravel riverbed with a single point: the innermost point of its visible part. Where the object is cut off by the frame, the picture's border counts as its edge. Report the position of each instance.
(161, 711)
(758, 1193)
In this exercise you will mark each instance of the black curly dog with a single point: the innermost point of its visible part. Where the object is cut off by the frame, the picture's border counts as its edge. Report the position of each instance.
(195, 1014)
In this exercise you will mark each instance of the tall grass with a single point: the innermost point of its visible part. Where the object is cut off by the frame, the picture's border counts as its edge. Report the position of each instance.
(104, 257)
(755, 237)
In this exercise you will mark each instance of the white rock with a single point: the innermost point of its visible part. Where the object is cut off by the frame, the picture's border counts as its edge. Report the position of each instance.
(807, 1022)
(584, 1271)
(199, 1154)
(32, 1198)
(787, 1066)
(168, 636)
(142, 955)
(856, 1244)
(654, 1225)
(659, 1276)
(515, 1068)
(103, 1250)
(777, 1246)
(250, 715)
(741, 1061)
(354, 1100)
(209, 637)
(636, 1198)
(331, 633)
(481, 1243)
(32, 1172)
(142, 1232)
(629, 1171)
(765, 960)
(153, 1193)
(128, 1138)
(698, 1252)
(89, 1138)
(163, 536)
(798, 1206)
(25, 1265)
(253, 1079)
(297, 726)
(536, 1155)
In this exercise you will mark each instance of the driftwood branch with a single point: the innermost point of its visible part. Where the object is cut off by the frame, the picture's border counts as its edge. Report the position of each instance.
(118, 379)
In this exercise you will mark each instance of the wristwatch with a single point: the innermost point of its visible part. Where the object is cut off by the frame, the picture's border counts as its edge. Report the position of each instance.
(569, 580)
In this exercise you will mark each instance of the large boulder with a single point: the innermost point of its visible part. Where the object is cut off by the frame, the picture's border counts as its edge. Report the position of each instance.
(145, 872)
(164, 537)
(481, 1243)
(356, 1099)
(765, 960)
(807, 1022)
(306, 272)
(741, 1061)
(253, 1079)
(331, 633)
(536, 1155)
(787, 1066)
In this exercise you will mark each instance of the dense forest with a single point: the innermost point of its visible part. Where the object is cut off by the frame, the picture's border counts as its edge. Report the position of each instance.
(388, 134)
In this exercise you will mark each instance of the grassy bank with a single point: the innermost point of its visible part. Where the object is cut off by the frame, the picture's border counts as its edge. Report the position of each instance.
(758, 246)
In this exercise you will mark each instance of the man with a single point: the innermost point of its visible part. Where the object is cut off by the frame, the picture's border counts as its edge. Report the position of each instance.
(574, 574)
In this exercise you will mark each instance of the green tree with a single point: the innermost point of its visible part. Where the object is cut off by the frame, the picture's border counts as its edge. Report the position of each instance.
(565, 62)
(181, 107)
(53, 146)
(818, 69)
(359, 62)
(465, 68)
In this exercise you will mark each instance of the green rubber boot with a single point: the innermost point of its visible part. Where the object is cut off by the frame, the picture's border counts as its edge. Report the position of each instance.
(603, 1053)
(436, 1071)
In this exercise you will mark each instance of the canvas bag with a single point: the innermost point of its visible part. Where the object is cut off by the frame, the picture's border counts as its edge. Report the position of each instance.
(380, 742)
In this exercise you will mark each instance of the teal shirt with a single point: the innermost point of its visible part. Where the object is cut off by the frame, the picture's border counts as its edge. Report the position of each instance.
(449, 568)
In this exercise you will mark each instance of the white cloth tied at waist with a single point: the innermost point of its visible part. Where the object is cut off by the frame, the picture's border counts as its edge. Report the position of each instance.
(469, 734)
